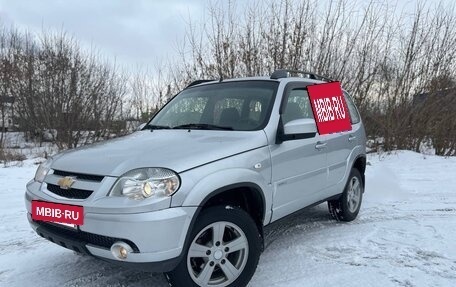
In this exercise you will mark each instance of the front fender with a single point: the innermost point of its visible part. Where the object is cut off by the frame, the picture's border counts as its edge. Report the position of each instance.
(213, 183)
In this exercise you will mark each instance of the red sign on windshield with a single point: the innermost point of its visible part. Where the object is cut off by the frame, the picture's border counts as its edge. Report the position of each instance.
(329, 108)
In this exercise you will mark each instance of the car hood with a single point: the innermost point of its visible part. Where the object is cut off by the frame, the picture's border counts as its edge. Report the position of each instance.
(178, 150)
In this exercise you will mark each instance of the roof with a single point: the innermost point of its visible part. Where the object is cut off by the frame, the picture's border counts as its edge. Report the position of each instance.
(280, 80)
(279, 75)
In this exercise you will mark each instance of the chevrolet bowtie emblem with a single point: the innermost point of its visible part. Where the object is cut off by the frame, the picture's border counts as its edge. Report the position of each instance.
(66, 182)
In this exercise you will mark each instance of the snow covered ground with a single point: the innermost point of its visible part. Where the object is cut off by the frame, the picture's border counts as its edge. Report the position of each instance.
(405, 236)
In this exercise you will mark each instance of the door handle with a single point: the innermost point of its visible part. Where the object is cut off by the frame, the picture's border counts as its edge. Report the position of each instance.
(320, 145)
(351, 138)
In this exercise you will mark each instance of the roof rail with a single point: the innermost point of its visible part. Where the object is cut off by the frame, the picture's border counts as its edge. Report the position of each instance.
(197, 82)
(285, 73)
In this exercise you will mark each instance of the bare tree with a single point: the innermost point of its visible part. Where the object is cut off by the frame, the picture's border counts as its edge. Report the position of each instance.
(149, 89)
(58, 87)
(382, 55)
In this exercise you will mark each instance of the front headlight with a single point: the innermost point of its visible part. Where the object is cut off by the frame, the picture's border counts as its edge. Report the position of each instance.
(146, 182)
(43, 170)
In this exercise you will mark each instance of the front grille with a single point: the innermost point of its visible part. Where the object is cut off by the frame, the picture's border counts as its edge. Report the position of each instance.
(72, 193)
(85, 237)
(82, 176)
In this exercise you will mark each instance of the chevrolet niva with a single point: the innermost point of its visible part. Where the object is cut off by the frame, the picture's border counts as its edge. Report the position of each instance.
(190, 192)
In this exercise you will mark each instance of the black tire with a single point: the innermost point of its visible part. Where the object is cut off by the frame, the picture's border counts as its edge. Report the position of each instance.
(180, 276)
(339, 208)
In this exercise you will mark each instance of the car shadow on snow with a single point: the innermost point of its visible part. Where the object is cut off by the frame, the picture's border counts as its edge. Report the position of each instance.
(94, 272)
(293, 224)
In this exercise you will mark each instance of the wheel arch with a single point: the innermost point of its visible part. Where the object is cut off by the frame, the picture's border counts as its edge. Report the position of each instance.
(360, 165)
(243, 195)
(247, 194)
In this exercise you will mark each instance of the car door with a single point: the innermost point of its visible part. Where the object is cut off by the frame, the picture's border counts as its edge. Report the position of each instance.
(340, 146)
(298, 165)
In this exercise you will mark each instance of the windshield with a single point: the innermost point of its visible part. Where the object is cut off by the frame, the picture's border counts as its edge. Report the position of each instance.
(241, 106)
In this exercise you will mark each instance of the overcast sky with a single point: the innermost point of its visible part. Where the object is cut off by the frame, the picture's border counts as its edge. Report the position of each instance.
(135, 32)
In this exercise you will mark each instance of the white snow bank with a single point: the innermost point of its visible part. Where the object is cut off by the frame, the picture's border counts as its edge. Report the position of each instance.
(405, 236)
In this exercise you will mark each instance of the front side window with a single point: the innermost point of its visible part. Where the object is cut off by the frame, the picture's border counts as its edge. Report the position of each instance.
(243, 106)
(297, 106)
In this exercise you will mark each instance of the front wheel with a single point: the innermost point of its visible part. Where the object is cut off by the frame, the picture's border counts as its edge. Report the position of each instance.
(224, 250)
(346, 208)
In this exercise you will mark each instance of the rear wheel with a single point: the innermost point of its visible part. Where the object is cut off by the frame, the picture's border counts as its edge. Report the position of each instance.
(346, 208)
(224, 250)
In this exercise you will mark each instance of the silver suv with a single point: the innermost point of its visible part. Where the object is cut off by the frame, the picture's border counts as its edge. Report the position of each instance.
(190, 193)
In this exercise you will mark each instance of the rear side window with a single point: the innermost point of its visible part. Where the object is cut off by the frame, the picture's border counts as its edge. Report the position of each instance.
(354, 115)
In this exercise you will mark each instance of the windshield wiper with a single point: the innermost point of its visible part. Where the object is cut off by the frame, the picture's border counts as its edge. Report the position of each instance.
(156, 127)
(203, 127)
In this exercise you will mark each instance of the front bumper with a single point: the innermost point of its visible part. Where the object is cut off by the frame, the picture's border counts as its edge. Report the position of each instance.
(157, 237)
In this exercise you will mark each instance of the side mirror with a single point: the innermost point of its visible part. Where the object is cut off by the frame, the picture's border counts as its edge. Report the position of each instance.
(303, 127)
(141, 126)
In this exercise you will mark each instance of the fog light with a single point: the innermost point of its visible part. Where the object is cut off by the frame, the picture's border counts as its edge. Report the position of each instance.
(120, 250)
